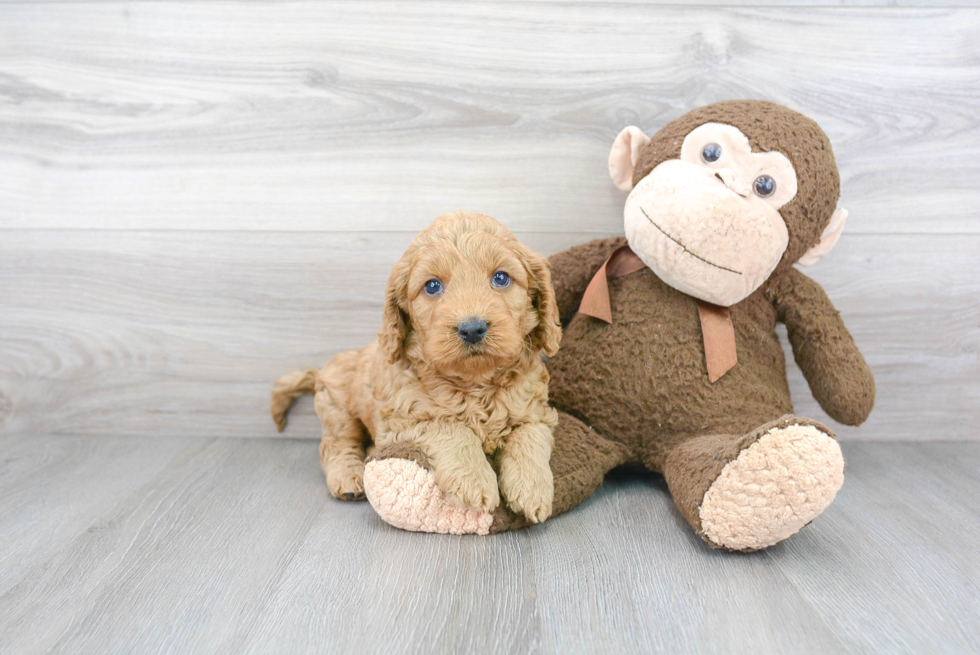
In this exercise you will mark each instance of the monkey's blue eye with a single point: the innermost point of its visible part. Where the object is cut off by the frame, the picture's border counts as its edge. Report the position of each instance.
(433, 287)
(500, 279)
(711, 153)
(764, 186)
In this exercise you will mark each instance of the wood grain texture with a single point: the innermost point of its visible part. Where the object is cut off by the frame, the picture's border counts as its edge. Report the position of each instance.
(198, 197)
(183, 333)
(907, 496)
(643, 3)
(322, 115)
(81, 477)
(235, 547)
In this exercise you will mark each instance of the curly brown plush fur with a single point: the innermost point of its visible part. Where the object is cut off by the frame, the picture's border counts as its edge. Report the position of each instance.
(642, 381)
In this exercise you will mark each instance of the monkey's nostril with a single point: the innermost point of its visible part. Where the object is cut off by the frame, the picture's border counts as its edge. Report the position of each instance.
(733, 184)
(472, 330)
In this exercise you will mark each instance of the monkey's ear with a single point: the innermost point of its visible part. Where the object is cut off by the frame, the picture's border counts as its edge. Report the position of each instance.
(624, 154)
(828, 239)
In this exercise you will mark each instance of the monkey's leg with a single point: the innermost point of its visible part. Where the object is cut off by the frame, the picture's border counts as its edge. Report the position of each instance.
(401, 487)
(751, 491)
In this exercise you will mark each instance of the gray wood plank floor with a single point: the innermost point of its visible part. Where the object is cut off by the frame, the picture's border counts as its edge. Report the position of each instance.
(170, 545)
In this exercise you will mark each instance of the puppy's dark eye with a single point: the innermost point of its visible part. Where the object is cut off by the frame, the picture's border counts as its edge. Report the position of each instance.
(500, 279)
(711, 153)
(764, 186)
(433, 287)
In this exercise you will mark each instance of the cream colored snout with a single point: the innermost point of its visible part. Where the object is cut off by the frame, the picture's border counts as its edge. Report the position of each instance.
(728, 177)
(698, 221)
(703, 231)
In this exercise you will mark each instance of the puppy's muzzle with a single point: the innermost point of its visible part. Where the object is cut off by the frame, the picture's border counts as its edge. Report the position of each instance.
(472, 330)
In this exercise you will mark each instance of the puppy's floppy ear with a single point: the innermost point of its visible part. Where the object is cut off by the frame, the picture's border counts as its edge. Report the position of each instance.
(547, 335)
(394, 326)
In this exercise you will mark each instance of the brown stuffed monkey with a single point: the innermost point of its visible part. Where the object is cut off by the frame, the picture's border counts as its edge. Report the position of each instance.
(670, 359)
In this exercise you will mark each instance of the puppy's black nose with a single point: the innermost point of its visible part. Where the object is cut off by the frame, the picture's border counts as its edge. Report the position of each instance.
(472, 330)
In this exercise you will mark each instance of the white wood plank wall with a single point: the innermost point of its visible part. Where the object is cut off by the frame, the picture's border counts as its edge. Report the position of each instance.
(196, 197)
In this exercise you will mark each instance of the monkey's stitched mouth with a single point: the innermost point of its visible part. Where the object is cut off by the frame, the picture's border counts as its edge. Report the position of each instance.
(692, 254)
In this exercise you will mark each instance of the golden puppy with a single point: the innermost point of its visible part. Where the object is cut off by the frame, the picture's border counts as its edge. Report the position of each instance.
(456, 370)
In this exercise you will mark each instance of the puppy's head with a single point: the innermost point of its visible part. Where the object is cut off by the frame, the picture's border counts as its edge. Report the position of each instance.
(468, 298)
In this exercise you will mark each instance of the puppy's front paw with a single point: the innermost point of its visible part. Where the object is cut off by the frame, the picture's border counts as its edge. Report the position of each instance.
(345, 479)
(529, 490)
(474, 487)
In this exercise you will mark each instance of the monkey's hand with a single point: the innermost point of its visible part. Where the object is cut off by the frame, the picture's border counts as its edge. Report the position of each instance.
(833, 366)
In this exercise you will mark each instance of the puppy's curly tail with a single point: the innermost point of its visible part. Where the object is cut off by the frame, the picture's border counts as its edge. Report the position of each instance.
(290, 386)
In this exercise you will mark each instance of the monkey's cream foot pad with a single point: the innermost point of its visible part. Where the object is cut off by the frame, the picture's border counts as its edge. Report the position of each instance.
(773, 488)
(406, 496)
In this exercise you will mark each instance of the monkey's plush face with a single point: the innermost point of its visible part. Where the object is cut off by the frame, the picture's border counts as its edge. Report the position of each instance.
(708, 223)
(727, 194)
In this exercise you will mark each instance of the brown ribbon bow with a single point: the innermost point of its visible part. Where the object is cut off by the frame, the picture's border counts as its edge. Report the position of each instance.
(717, 330)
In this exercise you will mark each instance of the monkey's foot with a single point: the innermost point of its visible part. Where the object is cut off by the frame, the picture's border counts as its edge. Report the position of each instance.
(773, 488)
(402, 489)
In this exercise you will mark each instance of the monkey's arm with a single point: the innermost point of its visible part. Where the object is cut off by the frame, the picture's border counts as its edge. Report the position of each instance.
(573, 269)
(825, 351)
